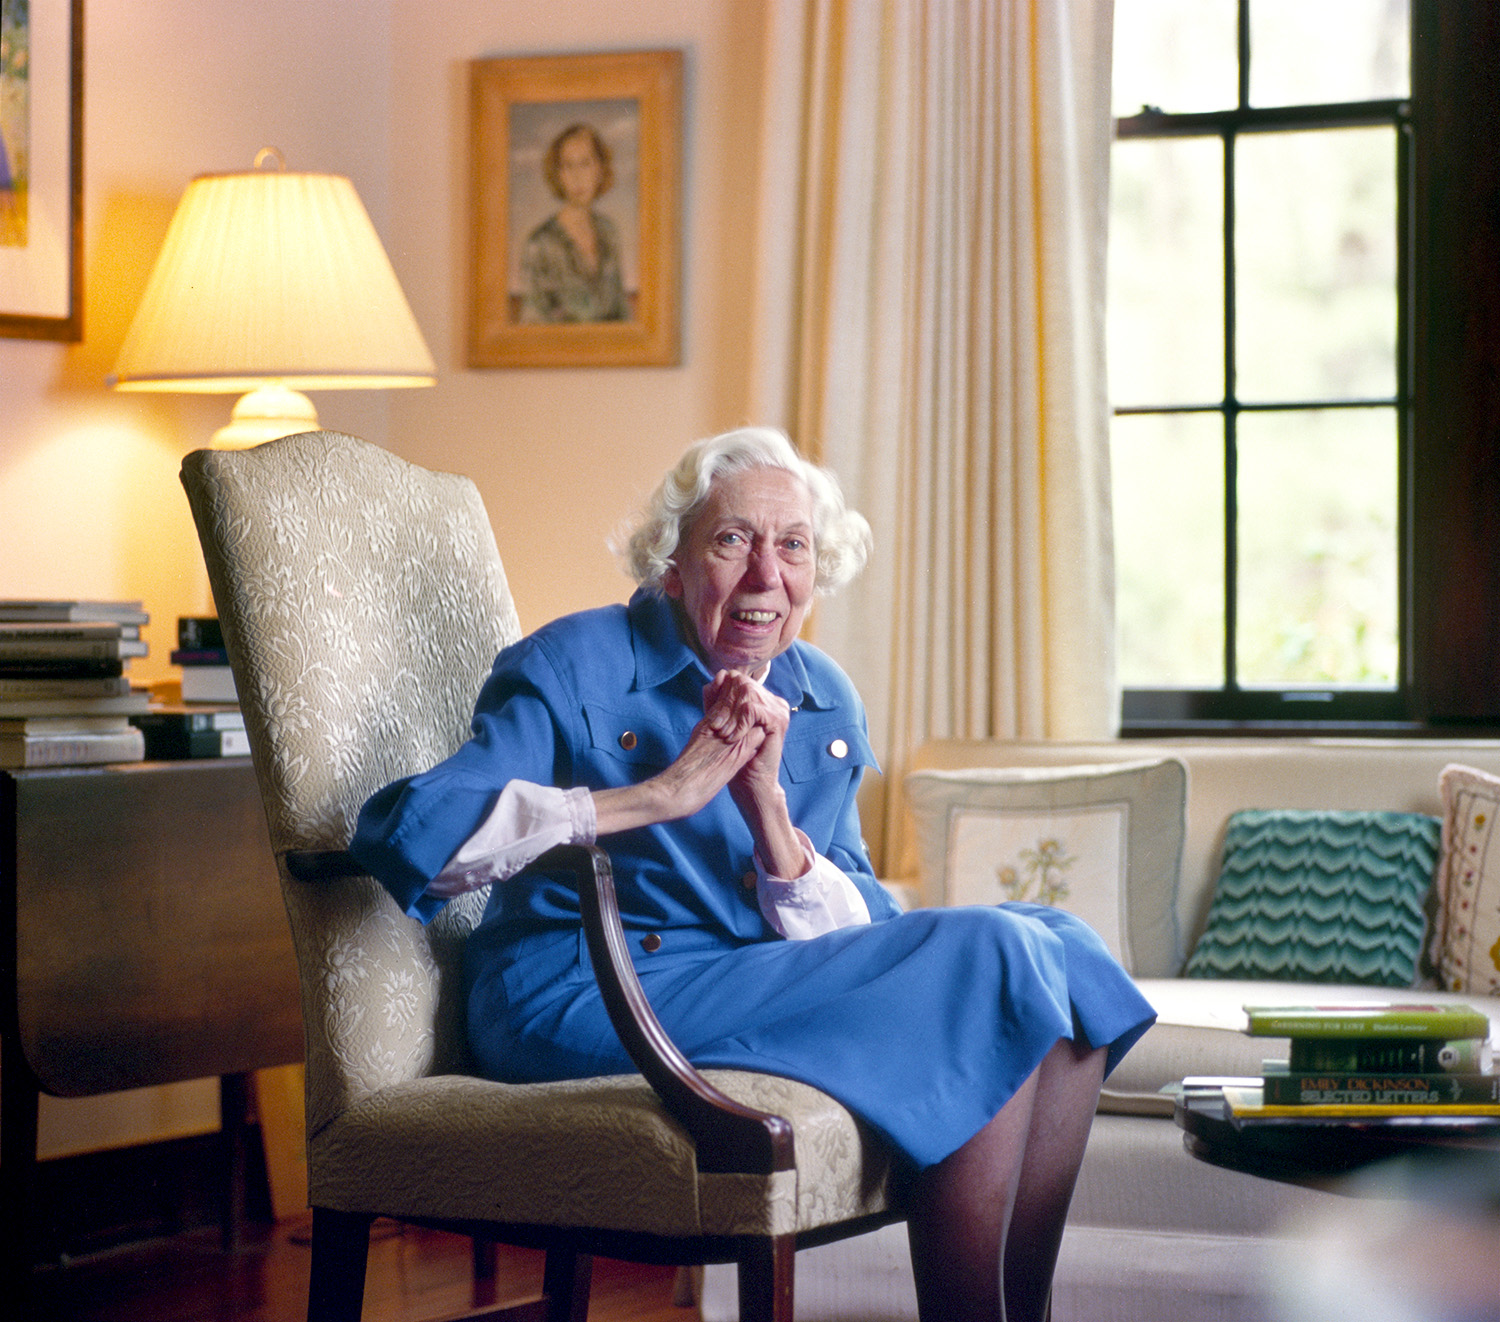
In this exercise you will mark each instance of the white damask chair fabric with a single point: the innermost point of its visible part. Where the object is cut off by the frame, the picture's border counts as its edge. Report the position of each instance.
(362, 601)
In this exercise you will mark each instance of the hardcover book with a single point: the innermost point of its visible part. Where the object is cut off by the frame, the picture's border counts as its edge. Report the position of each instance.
(1247, 1105)
(64, 686)
(123, 612)
(1421, 1055)
(56, 750)
(188, 732)
(208, 684)
(33, 631)
(173, 746)
(199, 632)
(1295, 1088)
(63, 668)
(33, 648)
(57, 724)
(1374, 1020)
(180, 716)
(115, 704)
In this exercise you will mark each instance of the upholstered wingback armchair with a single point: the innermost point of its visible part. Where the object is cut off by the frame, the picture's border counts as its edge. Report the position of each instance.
(362, 601)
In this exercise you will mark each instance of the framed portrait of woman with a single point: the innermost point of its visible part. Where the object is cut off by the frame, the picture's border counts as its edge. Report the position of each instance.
(575, 192)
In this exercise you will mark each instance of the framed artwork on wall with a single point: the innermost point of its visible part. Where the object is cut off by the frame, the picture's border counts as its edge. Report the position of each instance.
(41, 169)
(575, 192)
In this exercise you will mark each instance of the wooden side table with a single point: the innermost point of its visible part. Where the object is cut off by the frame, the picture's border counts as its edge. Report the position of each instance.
(143, 942)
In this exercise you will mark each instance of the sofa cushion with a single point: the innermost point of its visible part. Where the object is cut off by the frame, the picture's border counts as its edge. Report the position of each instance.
(1103, 842)
(1320, 896)
(1466, 931)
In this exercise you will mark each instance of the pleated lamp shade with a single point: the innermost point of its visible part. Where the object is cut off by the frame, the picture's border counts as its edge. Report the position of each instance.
(274, 282)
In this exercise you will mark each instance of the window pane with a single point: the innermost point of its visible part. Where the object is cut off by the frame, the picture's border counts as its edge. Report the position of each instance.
(1169, 548)
(1315, 254)
(1176, 55)
(1317, 547)
(1305, 53)
(1166, 271)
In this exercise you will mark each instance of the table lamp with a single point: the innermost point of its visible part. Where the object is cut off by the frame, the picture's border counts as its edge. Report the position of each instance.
(272, 282)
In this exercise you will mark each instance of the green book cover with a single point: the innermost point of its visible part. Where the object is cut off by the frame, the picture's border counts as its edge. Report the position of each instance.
(1381, 1055)
(1297, 1088)
(1388, 1019)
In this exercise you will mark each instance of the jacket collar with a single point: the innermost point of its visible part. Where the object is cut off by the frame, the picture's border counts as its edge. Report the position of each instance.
(661, 654)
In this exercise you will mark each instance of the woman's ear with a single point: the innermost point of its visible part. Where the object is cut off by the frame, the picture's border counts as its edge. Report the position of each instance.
(671, 583)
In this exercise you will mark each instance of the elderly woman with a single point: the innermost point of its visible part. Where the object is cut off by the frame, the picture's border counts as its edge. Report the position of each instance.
(717, 757)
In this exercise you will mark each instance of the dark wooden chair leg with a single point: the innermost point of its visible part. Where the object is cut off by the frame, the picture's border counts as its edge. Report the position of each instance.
(765, 1279)
(486, 1259)
(340, 1248)
(18, 1212)
(567, 1280)
(486, 1256)
(234, 1095)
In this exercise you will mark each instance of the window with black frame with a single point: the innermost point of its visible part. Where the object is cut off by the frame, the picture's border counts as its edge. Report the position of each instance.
(1259, 357)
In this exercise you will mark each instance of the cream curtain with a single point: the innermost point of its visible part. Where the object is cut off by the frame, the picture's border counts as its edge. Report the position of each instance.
(930, 324)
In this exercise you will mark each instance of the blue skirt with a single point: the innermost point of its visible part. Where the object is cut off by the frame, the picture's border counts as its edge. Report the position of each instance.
(923, 1025)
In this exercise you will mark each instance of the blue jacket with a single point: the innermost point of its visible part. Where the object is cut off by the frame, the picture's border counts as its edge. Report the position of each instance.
(607, 698)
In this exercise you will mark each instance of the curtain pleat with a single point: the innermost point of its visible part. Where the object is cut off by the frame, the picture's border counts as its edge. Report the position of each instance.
(933, 197)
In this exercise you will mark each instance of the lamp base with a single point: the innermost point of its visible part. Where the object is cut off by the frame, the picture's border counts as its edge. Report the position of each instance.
(266, 414)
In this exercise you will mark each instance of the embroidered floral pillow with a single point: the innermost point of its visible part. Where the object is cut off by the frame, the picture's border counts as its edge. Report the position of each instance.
(1103, 842)
(1466, 929)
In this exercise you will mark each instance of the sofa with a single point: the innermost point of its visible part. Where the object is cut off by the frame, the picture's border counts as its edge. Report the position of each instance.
(1153, 1232)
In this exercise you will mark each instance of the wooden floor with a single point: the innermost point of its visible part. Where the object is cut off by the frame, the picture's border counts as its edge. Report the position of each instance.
(414, 1275)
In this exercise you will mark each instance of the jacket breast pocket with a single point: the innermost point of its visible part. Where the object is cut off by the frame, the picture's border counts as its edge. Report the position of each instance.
(633, 738)
(817, 748)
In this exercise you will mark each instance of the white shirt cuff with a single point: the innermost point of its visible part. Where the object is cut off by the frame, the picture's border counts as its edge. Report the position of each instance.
(526, 821)
(822, 899)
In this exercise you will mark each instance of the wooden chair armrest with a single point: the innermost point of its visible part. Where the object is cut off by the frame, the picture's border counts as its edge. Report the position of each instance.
(728, 1136)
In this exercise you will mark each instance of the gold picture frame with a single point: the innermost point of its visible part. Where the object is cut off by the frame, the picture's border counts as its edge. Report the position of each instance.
(575, 194)
(41, 172)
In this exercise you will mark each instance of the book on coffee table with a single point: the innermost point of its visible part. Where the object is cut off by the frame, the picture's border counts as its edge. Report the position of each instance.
(1282, 1085)
(1386, 1019)
(1247, 1105)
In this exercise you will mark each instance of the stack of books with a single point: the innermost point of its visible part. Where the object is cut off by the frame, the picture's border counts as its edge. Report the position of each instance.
(65, 698)
(206, 676)
(181, 730)
(1377, 1060)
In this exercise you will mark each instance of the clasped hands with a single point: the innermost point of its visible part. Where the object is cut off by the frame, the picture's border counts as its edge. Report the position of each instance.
(737, 743)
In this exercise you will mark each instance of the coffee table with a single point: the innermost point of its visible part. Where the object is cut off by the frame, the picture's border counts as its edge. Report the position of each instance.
(1317, 1150)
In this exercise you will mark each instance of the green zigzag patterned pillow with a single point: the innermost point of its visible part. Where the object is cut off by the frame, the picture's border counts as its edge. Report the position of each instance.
(1320, 897)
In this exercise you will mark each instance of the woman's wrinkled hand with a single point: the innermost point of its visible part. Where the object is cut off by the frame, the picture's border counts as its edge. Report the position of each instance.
(735, 704)
(727, 739)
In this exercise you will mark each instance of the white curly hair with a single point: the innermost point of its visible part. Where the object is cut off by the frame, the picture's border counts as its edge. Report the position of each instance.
(841, 537)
